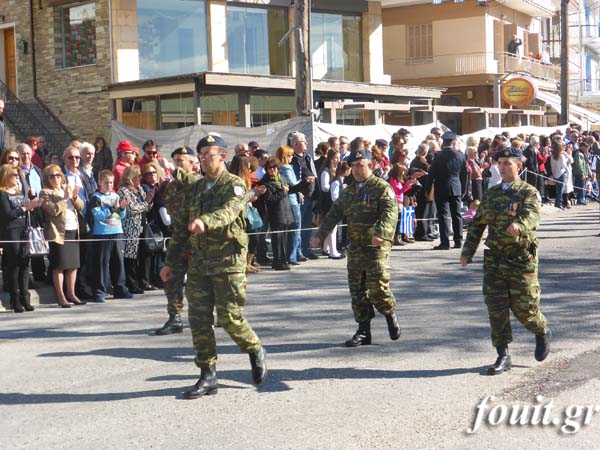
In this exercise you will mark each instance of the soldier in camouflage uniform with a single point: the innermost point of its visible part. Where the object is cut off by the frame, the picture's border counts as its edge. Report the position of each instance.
(370, 207)
(183, 177)
(210, 226)
(511, 212)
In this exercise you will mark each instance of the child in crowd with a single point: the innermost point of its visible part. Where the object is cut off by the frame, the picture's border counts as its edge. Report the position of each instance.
(335, 189)
(469, 214)
(107, 213)
(401, 184)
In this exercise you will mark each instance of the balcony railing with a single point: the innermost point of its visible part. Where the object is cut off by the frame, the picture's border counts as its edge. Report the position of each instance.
(469, 64)
(585, 88)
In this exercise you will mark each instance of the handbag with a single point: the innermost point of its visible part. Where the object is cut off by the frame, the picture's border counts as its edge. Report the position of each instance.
(254, 219)
(35, 242)
(154, 240)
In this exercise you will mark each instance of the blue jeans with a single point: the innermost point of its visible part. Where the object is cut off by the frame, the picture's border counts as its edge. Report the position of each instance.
(580, 190)
(306, 212)
(560, 190)
(108, 264)
(294, 238)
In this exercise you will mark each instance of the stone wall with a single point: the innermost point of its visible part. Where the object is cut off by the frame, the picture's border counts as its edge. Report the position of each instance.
(78, 96)
(17, 12)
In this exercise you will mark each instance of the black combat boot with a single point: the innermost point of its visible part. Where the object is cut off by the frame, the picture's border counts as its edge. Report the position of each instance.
(362, 335)
(206, 385)
(173, 325)
(15, 304)
(393, 326)
(258, 361)
(542, 344)
(25, 298)
(502, 363)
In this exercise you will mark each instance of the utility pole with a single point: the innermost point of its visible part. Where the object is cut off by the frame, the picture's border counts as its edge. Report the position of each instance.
(564, 62)
(303, 70)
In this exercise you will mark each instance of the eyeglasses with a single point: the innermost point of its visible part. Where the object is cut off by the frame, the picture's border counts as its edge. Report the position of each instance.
(209, 155)
(72, 157)
(150, 173)
(273, 167)
(12, 158)
(151, 153)
(55, 175)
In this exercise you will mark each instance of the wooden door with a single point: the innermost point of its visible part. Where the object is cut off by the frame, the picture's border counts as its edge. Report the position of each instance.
(10, 59)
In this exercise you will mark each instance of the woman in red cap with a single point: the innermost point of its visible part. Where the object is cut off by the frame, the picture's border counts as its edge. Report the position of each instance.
(127, 155)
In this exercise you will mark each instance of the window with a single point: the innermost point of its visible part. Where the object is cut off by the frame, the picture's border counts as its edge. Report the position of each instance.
(419, 43)
(252, 38)
(336, 48)
(172, 37)
(75, 35)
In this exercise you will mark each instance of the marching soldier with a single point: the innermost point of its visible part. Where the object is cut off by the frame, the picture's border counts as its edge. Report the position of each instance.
(372, 213)
(511, 212)
(183, 177)
(211, 225)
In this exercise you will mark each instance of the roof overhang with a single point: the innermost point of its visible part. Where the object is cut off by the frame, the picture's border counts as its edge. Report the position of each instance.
(533, 8)
(268, 85)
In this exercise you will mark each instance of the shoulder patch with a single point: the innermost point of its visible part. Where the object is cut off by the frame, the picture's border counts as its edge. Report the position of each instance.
(239, 190)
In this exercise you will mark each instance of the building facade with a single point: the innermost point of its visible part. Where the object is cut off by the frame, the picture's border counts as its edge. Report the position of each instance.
(158, 64)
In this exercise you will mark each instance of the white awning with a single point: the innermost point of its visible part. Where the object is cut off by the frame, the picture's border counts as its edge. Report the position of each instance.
(577, 114)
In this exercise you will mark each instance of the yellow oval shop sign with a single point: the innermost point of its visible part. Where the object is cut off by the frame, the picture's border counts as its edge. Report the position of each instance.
(518, 91)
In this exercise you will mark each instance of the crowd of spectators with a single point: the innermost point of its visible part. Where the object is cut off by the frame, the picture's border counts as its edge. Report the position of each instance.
(97, 215)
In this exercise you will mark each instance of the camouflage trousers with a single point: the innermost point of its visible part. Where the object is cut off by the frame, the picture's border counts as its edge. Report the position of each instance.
(174, 291)
(511, 286)
(369, 281)
(226, 293)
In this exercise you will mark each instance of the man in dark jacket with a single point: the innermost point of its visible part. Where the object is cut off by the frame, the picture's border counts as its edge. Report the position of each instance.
(449, 174)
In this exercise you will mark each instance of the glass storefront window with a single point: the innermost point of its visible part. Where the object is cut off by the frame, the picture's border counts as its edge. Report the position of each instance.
(172, 37)
(267, 109)
(219, 109)
(252, 38)
(75, 35)
(336, 47)
(177, 111)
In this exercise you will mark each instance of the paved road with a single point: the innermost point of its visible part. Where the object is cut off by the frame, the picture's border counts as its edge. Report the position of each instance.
(94, 378)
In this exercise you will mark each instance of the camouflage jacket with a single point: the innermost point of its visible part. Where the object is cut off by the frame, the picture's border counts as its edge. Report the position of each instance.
(370, 208)
(520, 205)
(174, 192)
(221, 204)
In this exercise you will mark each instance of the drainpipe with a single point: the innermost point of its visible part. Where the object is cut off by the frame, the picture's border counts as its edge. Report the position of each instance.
(33, 68)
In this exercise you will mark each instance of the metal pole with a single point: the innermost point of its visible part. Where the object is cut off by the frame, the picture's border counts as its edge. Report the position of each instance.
(564, 62)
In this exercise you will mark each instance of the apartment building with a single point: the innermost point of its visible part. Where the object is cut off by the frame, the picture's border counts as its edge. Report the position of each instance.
(158, 64)
(463, 46)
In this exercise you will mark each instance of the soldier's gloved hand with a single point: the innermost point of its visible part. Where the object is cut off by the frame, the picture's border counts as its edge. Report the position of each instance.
(376, 241)
(513, 230)
(315, 242)
(197, 227)
(165, 274)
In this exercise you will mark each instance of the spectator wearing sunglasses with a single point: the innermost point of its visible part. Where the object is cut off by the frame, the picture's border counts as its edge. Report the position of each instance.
(127, 154)
(152, 153)
(14, 207)
(61, 206)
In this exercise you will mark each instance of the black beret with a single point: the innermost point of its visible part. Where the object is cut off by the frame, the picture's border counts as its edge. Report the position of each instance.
(183, 151)
(509, 152)
(381, 143)
(449, 136)
(212, 140)
(253, 144)
(583, 144)
(358, 155)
